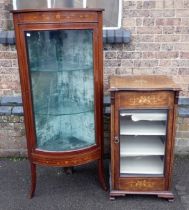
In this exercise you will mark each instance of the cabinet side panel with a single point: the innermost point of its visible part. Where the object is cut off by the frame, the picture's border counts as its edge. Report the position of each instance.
(172, 141)
(26, 97)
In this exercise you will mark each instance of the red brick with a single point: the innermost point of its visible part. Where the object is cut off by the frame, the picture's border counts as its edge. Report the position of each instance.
(124, 70)
(129, 4)
(169, 13)
(5, 63)
(8, 55)
(143, 38)
(169, 4)
(127, 63)
(156, 13)
(167, 55)
(183, 71)
(167, 47)
(180, 63)
(182, 46)
(165, 71)
(146, 63)
(143, 70)
(168, 21)
(165, 63)
(129, 22)
(182, 13)
(185, 21)
(149, 4)
(148, 21)
(184, 55)
(186, 3)
(149, 55)
(129, 55)
(178, 4)
(110, 55)
(149, 30)
(168, 30)
(184, 38)
(167, 38)
(136, 13)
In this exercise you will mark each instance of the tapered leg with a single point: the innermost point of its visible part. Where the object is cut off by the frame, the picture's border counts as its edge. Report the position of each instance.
(33, 179)
(101, 174)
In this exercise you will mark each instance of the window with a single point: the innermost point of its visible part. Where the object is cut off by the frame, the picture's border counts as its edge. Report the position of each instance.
(112, 13)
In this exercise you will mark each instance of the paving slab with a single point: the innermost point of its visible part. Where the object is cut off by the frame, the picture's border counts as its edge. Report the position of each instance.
(80, 190)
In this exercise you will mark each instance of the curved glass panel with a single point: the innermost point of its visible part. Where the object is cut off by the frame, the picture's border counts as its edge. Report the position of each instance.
(62, 82)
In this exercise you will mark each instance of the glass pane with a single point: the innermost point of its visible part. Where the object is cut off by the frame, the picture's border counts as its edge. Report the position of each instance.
(43, 4)
(111, 13)
(61, 70)
(142, 142)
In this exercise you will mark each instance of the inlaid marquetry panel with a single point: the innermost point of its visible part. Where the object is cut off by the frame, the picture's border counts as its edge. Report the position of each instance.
(142, 185)
(51, 17)
(137, 99)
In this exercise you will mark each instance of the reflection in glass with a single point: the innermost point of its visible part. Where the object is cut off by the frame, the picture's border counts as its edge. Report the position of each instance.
(142, 142)
(61, 69)
(44, 4)
(111, 13)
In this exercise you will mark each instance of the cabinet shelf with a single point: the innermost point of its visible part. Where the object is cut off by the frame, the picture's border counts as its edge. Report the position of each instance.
(66, 108)
(145, 116)
(63, 68)
(128, 127)
(66, 144)
(141, 146)
(142, 165)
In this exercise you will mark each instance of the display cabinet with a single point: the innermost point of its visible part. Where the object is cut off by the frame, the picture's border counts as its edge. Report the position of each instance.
(60, 63)
(143, 110)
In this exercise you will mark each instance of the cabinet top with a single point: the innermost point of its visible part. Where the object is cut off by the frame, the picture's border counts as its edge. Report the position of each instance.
(57, 9)
(142, 82)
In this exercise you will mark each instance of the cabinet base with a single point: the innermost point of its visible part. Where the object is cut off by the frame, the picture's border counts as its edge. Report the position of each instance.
(160, 194)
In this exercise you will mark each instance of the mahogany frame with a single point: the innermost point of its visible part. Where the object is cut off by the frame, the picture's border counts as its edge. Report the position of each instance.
(53, 19)
(122, 98)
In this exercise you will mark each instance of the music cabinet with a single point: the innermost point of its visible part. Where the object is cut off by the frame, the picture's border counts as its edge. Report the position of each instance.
(61, 73)
(143, 111)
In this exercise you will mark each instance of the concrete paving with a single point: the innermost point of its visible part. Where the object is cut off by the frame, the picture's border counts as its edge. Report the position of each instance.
(80, 191)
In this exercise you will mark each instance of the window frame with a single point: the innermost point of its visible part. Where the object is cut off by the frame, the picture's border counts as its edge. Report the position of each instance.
(119, 16)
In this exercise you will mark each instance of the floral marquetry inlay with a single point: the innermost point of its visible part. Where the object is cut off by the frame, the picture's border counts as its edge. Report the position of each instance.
(141, 184)
(145, 100)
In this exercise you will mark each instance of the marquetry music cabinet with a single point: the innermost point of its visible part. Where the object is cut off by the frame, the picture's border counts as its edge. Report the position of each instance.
(61, 73)
(143, 111)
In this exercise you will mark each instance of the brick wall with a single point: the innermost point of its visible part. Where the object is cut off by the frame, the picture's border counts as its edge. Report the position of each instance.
(160, 41)
(9, 76)
(159, 45)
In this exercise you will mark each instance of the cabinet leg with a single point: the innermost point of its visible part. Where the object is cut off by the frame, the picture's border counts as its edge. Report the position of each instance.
(33, 180)
(101, 174)
(169, 196)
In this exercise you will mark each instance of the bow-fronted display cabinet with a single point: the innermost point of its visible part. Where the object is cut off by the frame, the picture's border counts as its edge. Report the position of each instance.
(143, 111)
(60, 63)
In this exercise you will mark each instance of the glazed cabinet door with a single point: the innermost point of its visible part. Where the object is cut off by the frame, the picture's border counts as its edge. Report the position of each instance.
(61, 69)
(142, 144)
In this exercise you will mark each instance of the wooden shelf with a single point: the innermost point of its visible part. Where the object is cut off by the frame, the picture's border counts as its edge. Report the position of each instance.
(141, 146)
(145, 116)
(128, 127)
(142, 165)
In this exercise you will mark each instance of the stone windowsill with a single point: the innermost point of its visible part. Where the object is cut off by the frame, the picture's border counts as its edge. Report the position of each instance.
(12, 105)
(109, 37)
